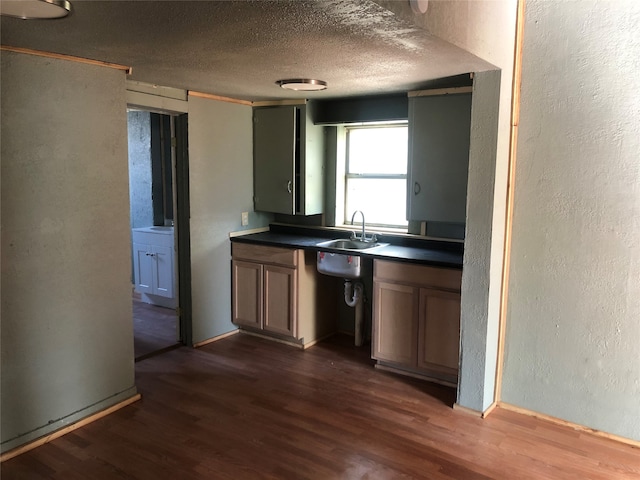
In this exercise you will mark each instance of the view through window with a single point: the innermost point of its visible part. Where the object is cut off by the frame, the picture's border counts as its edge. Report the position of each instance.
(375, 177)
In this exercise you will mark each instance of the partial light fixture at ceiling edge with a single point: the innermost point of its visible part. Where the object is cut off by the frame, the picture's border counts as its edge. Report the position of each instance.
(35, 9)
(302, 84)
(419, 6)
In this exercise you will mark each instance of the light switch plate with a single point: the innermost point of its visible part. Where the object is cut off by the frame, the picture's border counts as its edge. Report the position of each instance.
(245, 219)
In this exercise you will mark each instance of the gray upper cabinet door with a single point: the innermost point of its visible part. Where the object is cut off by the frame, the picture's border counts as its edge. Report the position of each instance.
(274, 152)
(288, 155)
(439, 130)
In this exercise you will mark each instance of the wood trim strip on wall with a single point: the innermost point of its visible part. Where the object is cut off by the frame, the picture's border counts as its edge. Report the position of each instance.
(210, 96)
(467, 410)
(70, 428)
(214, 339)
(278, 103)
(475, 413)
(440, 91)
(59, 56)
(565, 423)
(513, 144)
(491, 408)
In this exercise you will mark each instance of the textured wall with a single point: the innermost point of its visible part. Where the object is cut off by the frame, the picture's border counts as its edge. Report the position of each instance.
(139, 129)
(221, 188)
(67, 336)
(485, 28)
(573, 331)
(479, 330)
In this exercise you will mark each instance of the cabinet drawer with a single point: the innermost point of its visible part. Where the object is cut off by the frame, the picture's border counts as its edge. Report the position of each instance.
(264, 254)
(418, 275)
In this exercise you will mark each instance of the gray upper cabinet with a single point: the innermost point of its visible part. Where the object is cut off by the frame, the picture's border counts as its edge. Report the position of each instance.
(288, 154)
(439, 131)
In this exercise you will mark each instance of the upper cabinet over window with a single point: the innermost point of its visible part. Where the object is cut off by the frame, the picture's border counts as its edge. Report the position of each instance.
(439, 132)
(288, 155)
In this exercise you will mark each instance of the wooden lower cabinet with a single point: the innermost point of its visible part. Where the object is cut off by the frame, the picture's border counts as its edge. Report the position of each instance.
(278, 292)
(247, 293)
(396, 323)
(439, 331)
(280, 300)
(416, 319)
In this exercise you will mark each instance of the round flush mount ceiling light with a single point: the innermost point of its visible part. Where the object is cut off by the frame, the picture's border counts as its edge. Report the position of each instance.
(35, 9)
(419, 6)
(302, 84)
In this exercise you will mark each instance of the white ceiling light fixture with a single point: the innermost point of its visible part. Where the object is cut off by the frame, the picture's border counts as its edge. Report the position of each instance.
(419, 6)
(35, 9)
(302, 84)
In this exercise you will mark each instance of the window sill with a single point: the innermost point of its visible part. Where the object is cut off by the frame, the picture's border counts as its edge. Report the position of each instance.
(374, 229)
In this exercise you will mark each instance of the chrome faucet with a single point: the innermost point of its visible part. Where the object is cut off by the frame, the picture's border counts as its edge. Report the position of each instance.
(364, 237)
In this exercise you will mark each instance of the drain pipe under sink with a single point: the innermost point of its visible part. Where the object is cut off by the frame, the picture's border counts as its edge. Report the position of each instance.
(353, 298)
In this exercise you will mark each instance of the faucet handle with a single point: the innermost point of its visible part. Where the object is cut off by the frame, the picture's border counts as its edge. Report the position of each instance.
(352, 235)
(373, 238)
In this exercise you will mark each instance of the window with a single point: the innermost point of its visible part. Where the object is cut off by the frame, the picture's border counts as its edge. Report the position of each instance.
(375, 175)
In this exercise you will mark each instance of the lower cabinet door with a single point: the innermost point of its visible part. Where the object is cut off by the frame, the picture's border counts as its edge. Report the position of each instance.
(163, 272)
(153, 269)
(280, 300)
(143, 267)
(247, 294)
(395, 323)
(439, 331)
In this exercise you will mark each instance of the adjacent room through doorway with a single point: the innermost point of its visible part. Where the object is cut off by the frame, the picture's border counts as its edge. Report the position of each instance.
(153, 232)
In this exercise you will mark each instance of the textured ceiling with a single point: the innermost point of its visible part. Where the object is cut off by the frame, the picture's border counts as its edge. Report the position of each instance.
(240, 48)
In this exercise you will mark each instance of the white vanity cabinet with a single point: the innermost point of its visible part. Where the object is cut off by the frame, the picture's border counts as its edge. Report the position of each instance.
(153, 265)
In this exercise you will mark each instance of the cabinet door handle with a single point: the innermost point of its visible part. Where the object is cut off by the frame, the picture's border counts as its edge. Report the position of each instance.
(150, 254)
(416, 188)
(289, 185)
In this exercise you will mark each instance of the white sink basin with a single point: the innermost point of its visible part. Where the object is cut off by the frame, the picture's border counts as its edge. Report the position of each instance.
(347, 264)
(339, 265)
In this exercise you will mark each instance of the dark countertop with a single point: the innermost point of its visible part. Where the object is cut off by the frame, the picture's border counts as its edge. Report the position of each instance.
(401, 248)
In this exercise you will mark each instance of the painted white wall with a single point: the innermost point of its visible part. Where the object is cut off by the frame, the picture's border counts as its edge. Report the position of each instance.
(221, 188)
(485, 28)
(67, 329)
(573, 326)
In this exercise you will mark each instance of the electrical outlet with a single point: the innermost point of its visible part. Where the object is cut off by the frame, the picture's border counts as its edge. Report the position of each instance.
(245, 219)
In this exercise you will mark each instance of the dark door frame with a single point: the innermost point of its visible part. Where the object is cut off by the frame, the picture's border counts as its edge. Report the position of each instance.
(183, 217)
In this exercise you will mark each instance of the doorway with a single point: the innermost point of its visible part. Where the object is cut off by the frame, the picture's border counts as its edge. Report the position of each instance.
(154, 158)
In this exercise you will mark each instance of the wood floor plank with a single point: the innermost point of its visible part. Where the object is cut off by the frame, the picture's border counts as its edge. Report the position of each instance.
(154, 327)
(247, 408)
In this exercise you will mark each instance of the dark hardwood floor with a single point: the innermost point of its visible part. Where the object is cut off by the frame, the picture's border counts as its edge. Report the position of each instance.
(154, 328)
(249, 408)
